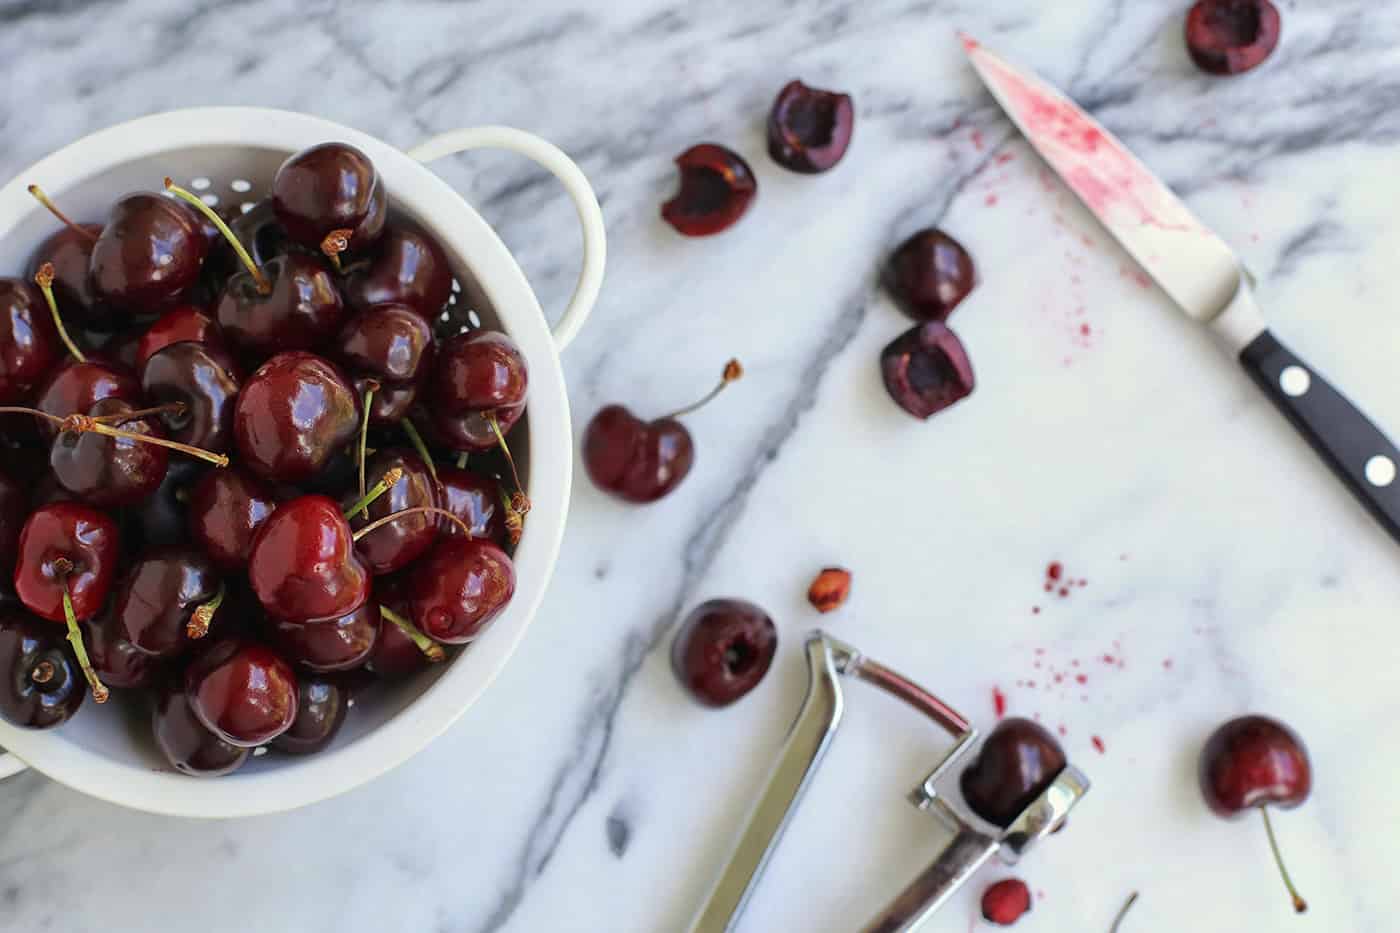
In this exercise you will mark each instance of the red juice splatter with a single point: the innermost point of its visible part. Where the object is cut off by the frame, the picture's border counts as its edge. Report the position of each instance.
(1055, 570)
(1040, 651)
(1035, 611)
(991, 200)
(1049, 587)
(999, 702)
(1098, 744)
(1109, 659)
(1059, 678)
(1081, 678)
(1004, 158)
(977, 140)
(1030, 683)
(1167, 664)
(1075, 662)
(1062, 730)
(1086, 330)
(1064, 591)
(1142, 279)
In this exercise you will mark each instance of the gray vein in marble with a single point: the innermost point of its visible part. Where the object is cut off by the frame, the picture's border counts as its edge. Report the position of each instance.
(1318, 237)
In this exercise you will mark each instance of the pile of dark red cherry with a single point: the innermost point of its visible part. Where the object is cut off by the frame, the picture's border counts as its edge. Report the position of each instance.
(219, 482)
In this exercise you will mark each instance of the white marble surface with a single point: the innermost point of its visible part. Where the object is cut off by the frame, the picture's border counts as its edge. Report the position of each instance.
(1225, 567)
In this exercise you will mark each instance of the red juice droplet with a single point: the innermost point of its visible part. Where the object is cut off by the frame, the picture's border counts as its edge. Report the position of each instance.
(1167, 664)
(992, 200)
(1081, 678)
(1035, 610)
(1064, 591)
(1098, 744)
(1055, 570)
(998, 702)
(977, 140)
(1062, 730)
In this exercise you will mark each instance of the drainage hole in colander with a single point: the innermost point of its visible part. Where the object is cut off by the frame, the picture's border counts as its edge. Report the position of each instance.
(200, 184)
(241, 185)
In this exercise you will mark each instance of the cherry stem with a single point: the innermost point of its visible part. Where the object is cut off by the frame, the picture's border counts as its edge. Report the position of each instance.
(198, 626)
(371, 387)
(100, 693)
(519, 502)
(173, 408)
(416, 440)
(403, 513)
(44, 279)
(335, 243)
(43, 673)
(1123, 912)
(461, 459)
(515, 522)
(80, 424)
(1299, 905)
(386, 482)
(264, 286)
(43, 199)
(732, 373)
(430, 648)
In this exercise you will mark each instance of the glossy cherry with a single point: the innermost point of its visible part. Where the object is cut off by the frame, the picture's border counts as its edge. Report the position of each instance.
(69, 251)
(401, 650)
(480, 370)
(403, 540)
(809, 129)
(186, 742)
(1006, 902)
(929, 275)
(76, 387)
(1255, 762)
(40, 686)
(303, 565)
(203, 378)
(338, 645)
(181, 323)
(293, 415)
(1015, 765)
(326, 188)
(157, 606)
(321, 706)
(29, 344)
(926, 370)
(148, 256)
(117, 661)
(226, 508)
(476, 499)
(391, 343)
(296, 306)
(716, 188)
(260, 233)
(472, 431)
(408, 267)
(390, 402)
(110, 471)
(642, 461)
(241, 691)
(14, 509)
(459, 588)
(723, 649)
(1228, 37)
(161, 519)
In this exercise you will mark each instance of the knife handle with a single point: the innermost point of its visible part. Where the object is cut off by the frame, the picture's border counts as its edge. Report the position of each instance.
(1356, 450)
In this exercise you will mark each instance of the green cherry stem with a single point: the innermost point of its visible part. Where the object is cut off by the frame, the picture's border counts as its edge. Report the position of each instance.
(100, 693)
(79, 424)
(431, 649)
(1299, 905)
(371, 387)
(417, 509)
(386, 482)
(520, 502)
(43, 199)
(198, 626)
(733, 372)
(44, 279)
(461, 459)
(335, 243)
(416, 440)
(1123, 912)
(264, 286)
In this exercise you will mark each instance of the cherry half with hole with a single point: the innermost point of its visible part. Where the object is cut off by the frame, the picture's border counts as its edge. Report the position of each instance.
(242, 691)
(1015, 765)
(226, 508)
(927, 370)
(40, 686)
(1253, 763)
(292, 416)
(321, 706)
(328, 188)
(29, 344)
(723, 650)
(148, 256)
(408, 267)
(929, 275)
(716, 188)
(459, 588)
(186, 742)
(642, 461)
(303, 565)
(1229, 37)
(810, 129)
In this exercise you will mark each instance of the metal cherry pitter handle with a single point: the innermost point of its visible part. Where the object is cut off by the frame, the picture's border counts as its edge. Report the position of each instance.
(974, 840)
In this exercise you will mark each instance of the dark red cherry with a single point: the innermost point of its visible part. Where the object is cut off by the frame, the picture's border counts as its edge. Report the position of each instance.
(300, 309)
(66, 544)
(391, 343)
(717, 187)
(338, 645)
(226, 508)
(810, 129)
(1255, 762)
(69, 251)
(161, 520)
(1006, 902)
(14, 509)
(76, 387)
(40, 685)
(242, 692)
(723, 649)
(1228, 37)
(929, 275)
(154, 604)
(29, 345)
(471, 431)
(204, 379)
(321, 706)
(459, 588)
(185, 322)
(303, 564)
(400, 542)
(480, 370)
(409, 268)
(149, 254)
(926, 370)
(330, 187)
(391, 402)
(1016, 764)
(476, 499)
(117, 661)
(293, 415)
(186, 743)
(110, 471)
(401, 649)
(261, 235)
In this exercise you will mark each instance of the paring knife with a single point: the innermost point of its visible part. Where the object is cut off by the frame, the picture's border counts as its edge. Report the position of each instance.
(1199, 272)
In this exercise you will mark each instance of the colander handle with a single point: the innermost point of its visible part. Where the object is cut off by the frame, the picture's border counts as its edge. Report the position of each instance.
(552, 158)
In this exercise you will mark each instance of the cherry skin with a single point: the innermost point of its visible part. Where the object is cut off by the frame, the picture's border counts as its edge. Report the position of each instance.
(723, 650)
(1017, 762)
(148, 255)
(14, 509)
(475, 498)
(338, 645)
(117, 661)
(181, 323)
(261, 235)
(160, 520)
(459, 588)
(809, 130)
(66, 544)
(110, 471)
(329, 187)
(302, 310)
(69, 250)
(40, 685)
(717, 187)
(929, 275)
(927, 370)
(396, 655)
(1229, 37)
(471, 431)
(204, 379)
(226, 508)
(480, 370)
(303, 564)
(76, 387)
(391, 343)
(400, 542)
(242, 692)
(408, 267)
(29, 344)
(160, 593)
(292, 416)
(186, 742)
(392, 401)
(321, 706)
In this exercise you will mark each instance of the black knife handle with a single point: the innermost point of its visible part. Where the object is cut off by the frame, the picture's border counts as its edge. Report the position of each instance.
(1356, 450)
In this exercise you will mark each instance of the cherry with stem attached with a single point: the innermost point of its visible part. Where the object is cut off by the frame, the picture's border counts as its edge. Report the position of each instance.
(99, 424)
(44, 279)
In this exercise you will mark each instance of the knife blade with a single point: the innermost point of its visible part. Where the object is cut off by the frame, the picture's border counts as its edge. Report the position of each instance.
(1199, 272)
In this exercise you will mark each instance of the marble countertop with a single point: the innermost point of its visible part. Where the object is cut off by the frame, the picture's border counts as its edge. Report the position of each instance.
(1225, 570)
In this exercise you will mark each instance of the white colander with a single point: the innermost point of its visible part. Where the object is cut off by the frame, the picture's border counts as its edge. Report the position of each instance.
(230, 154)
